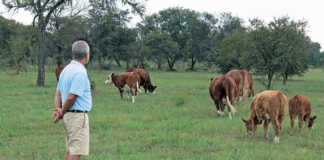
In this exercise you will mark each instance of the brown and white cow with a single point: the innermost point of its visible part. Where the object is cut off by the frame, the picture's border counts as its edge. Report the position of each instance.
(268, 106)
(145, 79)
(128, 79)
(58, 71)
(223, 87)
(300, 106)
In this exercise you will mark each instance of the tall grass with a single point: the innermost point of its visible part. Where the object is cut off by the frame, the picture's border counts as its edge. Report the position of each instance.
(179, 122)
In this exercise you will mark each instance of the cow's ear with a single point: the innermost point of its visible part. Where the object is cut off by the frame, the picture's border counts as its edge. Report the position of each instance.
(314, 117)
(244, 120)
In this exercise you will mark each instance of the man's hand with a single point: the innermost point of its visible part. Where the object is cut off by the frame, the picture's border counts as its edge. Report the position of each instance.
(57, 114)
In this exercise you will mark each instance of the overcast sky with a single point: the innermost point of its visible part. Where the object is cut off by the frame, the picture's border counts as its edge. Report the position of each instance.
(310, 10)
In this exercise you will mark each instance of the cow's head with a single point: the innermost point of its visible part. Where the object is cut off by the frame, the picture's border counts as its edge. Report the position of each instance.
(311, 122)
(109, 79)
(250, 126)
(152, 88)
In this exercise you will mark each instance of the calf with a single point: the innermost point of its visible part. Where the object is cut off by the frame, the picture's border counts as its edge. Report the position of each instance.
(120, 81)
(267, 106)
(300, 106)
(145, 79)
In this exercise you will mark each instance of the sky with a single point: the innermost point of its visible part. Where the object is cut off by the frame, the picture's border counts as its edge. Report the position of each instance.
(310, 10)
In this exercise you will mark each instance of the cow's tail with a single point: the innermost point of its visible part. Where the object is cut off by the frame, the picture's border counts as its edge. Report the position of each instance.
(233, 110)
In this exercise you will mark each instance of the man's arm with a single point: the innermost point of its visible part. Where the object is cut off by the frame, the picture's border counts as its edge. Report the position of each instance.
(69, 102)
(59, 111)
(58, 103)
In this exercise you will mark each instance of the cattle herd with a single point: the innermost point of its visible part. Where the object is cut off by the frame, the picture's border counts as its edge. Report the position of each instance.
(267, 106)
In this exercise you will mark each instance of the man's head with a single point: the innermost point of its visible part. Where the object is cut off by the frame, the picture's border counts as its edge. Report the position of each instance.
(81, 51)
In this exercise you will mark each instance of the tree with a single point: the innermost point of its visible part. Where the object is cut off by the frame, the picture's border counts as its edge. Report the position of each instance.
(43, 10)
(20, 45)
(200, 30)
(314, 51)
(280, 47)
(235, 52)
(161, 45)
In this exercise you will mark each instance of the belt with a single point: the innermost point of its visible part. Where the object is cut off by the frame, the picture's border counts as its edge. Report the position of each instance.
(77, 111)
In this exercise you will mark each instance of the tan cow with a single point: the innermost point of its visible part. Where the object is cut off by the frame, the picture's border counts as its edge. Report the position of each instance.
(300, 106)
(248, 89)
(244, 81)
(268, 106)
(145, 79)
(120, 81)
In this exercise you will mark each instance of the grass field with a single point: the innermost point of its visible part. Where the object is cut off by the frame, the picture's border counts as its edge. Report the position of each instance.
(179, 122)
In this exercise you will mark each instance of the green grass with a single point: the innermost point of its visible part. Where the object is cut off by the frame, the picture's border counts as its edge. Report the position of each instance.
(179, 122)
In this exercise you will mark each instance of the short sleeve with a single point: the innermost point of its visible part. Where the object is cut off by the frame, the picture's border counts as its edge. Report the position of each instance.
(78, 84)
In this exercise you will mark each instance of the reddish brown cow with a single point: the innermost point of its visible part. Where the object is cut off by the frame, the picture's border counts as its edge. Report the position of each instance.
(121, 80)
(145, 79)
(223, 87)
(267, 106)
(58, 71)
(300, 106)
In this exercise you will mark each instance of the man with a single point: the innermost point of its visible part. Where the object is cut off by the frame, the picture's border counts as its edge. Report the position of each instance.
(74, 93)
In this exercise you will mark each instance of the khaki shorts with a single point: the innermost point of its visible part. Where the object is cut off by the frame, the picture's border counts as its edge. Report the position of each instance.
(76, 127)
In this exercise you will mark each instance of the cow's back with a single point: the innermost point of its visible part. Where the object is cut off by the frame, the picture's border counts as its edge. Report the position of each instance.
(238, 78)
(270, 102)
(299, 104)
(216, 89)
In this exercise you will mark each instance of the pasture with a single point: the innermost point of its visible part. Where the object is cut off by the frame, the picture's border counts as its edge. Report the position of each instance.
(178, 122)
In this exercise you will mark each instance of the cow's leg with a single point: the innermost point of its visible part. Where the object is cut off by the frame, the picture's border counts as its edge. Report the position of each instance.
(281, 118)
(145, 87)
(245, 91)
(292, 124)
(276, 128)
(266, 126)
(229, 111)
(121, 92)
(219, 108)
(133, 94)
(300, 121)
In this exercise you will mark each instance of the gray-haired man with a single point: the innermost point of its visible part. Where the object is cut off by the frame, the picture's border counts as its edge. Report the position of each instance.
(74, 93)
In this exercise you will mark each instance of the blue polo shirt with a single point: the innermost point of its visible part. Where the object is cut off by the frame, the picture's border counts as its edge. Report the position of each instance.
(74, 79)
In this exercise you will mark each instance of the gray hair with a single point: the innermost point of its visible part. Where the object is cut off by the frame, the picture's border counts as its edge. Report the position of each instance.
(79, 49)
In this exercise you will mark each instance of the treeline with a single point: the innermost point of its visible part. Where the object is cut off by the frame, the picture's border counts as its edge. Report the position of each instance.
(277, 48)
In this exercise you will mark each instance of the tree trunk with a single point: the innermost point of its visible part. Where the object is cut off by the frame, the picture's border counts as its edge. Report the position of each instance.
(159, 64)
(285, 78)
(41, 59)
(193, 62)
(117, 61)
(127, 64)
(171, 65)
(270, 76)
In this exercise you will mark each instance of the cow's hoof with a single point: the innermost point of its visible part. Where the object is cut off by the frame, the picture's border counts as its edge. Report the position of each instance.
(276, 140)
